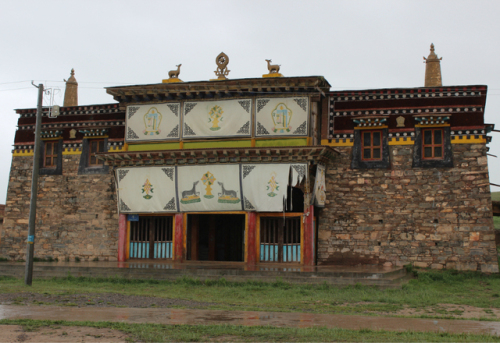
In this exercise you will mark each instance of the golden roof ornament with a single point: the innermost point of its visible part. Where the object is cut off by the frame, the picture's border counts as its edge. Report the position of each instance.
(222, 60)
(274, 70)
(71, 91)
(433, 70)
(173, 75)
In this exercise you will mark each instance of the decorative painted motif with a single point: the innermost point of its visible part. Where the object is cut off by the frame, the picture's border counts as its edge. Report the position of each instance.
(152, 121)
(228, 196)
(245, 104)
(124, 207)
(282, 116)
(272, 185)
(174, 132)
(215, 115)
(188, 131)
(169, 172)
(261, 103)
(301, 130)
(302, 102)
(300, 169)
(189, 106)
(147, 188)
(170, 206)
(174, 108)
(191, 196)
(247, 170)
(121, 174)
(245, 128)
(131, 134)
(248, 205)
(132, 110)
(261, 130)
(208, 180)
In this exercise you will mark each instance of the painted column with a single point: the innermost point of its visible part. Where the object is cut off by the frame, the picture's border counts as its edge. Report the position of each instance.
(122, 237)
(309, 236)
(251, 238)
(178, 238)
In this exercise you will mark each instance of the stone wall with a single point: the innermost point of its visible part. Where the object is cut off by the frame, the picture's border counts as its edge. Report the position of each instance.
(76, 214)
(429, 217)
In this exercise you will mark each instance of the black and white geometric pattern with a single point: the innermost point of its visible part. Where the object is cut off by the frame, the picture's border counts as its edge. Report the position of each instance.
(169, 172)
(170, 206)
(174, 108)
(302, 103)
(301, 130)
(131, 134)
(300, 169)
(189, 106)
(188, 131)
(247, 170)
(122, 174)
(261, 130)
(245, 104)
(123, 206)
(261, 103)
(174, 132)
(132, 110)
(245, 129)
(248, 205)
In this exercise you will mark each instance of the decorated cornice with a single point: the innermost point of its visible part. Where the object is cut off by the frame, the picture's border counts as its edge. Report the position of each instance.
(72, 110)
(94, 132)
(312, 154)
(430, 120)
(75, 124)
(218, 89)
(51, 134)
(435, 110)
(370, 122)
(408, 93)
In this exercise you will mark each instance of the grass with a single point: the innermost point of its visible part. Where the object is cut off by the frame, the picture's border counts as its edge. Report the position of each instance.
(430, 289)
(496, 222)
(198, 333)
(495, 196)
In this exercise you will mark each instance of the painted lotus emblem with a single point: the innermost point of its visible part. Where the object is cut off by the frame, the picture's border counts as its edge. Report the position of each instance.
(215, 115)
(272, 185)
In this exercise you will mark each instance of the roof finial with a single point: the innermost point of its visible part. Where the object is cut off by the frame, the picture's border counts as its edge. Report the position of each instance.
(433, 69)
(71, 92)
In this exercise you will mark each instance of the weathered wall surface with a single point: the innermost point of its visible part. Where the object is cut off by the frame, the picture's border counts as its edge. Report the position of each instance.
(430, 217)
(76, 214)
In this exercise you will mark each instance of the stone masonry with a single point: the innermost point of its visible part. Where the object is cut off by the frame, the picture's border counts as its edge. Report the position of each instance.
(76, 214)
(428, 217)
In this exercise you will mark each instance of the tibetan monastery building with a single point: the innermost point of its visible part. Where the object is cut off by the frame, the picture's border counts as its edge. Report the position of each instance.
(260, 170)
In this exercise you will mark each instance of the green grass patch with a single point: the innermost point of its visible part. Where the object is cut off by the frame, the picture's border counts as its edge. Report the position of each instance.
(428, 290)
(496, 222)
(204, 333)
(495, 196)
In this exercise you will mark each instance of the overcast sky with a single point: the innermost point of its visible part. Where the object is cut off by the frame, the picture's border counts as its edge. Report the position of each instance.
(353, 44)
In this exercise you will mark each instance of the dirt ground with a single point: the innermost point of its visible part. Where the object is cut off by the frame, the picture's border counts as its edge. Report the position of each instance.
(97, 300)
(15, 333)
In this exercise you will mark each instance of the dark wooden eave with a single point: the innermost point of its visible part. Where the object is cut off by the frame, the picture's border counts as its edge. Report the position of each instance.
(218, 89)
(298, 154)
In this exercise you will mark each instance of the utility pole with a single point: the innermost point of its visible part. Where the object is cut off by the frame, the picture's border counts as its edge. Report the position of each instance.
(30, 249)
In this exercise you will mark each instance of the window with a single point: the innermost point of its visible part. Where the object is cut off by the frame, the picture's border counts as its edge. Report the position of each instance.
(50, 154)
(89, 163)
(432, 144)
(51, 157)
(371, 145)
(370, 150)
(94, 147)
(432, 148)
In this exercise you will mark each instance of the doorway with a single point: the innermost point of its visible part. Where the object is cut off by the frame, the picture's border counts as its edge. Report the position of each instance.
(216, 237)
